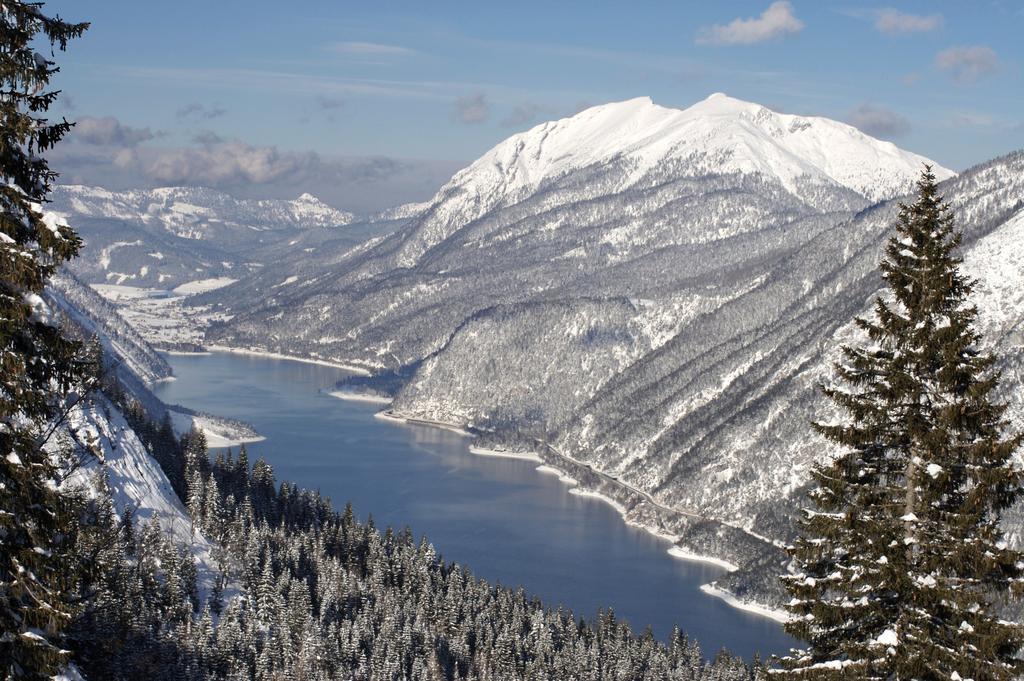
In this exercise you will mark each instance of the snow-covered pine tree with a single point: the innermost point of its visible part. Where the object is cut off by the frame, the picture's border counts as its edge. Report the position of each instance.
(901, 565)
(38, 364)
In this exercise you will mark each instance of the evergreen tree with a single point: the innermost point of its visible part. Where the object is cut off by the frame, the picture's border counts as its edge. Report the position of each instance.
(40, 367)
(902, 566)
(322, 596)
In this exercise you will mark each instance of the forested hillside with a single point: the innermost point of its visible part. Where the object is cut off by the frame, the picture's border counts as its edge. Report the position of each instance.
(198, 569)
(658, 324)
(189, 568)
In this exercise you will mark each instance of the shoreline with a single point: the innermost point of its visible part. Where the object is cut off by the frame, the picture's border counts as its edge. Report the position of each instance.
(581, 492)
(388, 415)
(505, 454)
(763, 611)
(218, 434)
(277, 355)
(563, 477)
(683, 554)
(215, 441)
(359, 397)
(675, 551)
(545, 468)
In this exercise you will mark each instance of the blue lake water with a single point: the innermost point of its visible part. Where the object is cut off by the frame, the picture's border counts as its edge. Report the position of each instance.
(501, 517)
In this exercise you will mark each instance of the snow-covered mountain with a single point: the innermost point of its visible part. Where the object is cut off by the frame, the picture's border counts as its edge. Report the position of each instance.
(104, 448)
(720, 135)
(166, 237)
(193, 212)
(405, 211)
(134, 479)
(569, 199)
(655, 293)
(135, 360)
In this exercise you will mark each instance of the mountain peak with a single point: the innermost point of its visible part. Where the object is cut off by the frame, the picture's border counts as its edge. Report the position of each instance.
(722, 98)
(717, 135)
(719, 103)
(191, 210)
(629, 143)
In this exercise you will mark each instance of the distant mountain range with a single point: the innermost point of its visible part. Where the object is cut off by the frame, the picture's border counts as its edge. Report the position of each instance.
(653, 293)
(161, 238)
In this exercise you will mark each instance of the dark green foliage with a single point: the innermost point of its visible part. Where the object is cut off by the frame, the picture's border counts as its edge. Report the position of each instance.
(902, 567)
(324, 596)
(39, 366)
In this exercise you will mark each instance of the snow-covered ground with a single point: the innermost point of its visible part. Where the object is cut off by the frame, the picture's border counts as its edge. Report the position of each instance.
(203, 285)
(163, 317)
(219, 432)
(679, 552)
(505, 454)
(560, 474)
(134, 477)
(718, 135)
(388, 415)
(359, 397)
(770, 613)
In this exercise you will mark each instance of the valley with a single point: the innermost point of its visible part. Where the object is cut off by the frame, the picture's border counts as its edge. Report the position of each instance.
(501, 517)
(533, 342)
(643, 310)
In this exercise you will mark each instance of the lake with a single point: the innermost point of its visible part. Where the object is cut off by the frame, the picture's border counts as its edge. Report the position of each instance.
(501, 517)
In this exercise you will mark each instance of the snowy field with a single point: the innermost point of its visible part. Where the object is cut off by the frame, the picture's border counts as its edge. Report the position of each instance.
(164, 317)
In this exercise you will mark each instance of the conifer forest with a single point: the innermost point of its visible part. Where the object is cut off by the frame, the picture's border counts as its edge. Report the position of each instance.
(289, 394)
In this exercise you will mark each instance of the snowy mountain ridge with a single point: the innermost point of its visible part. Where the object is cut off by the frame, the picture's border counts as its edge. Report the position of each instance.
(719, 135)
(659, 316)
(189, 211)
(166, 237)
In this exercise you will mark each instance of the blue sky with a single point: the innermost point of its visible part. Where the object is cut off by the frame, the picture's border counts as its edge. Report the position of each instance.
(375, 103)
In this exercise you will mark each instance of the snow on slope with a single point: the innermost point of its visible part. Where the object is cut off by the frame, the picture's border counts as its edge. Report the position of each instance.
(203, 285)
(188, 211)
(120, 340)
(997, 264)
(719, 135)
(135, 479)
(404, 211)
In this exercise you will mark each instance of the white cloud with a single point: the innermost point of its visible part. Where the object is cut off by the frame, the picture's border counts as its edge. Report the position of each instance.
(775, 22)
(371, 49)
(362, 184)
(329, 103)
(207, 138)
(878, 121)
(972, 119)
(197, 110)
(282, 83)
(895, 22)
(108, 131)
(226, 164)
(472, 109)
(521, 115)
(967, 63)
